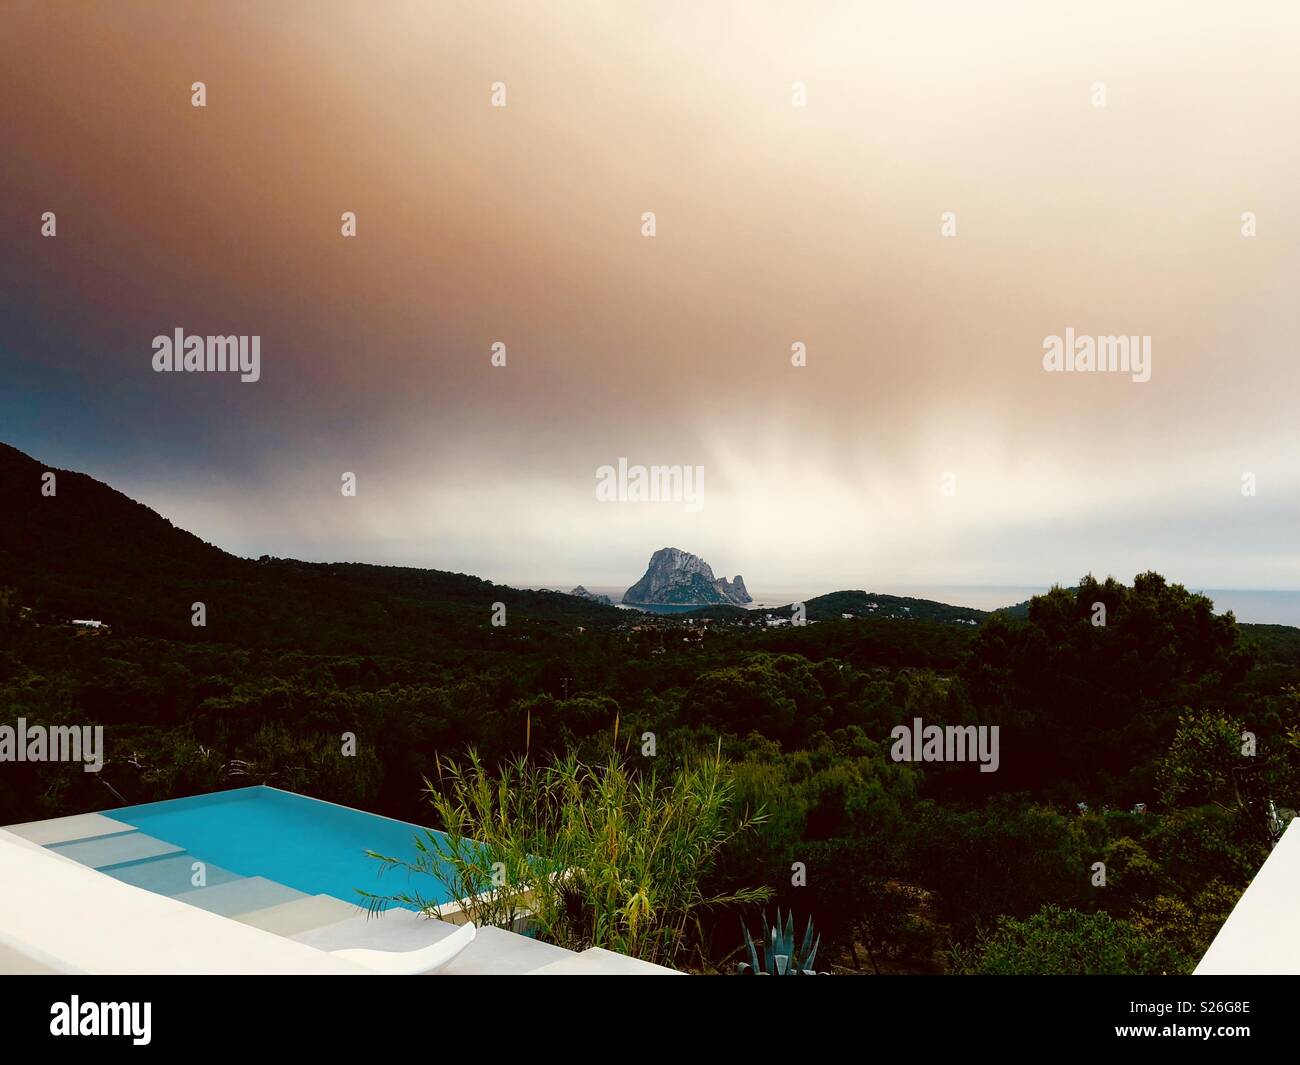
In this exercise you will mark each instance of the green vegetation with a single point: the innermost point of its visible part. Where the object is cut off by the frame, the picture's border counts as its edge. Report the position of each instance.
(872, 605)
(1120, 745)
(1056, 942)
(778, 953)
(586, 856)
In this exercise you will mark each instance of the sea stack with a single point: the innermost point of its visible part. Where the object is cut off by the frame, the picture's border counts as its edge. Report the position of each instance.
(678, 578)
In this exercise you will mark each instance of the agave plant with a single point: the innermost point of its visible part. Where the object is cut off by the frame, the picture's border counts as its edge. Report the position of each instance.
(775, 954)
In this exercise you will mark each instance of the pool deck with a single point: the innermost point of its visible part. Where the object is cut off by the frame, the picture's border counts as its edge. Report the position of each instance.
(88, 894)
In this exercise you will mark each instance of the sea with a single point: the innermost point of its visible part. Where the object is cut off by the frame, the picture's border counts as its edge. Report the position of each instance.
(1258, 607)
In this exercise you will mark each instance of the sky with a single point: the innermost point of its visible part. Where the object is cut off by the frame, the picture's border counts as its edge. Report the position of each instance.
(919, 194)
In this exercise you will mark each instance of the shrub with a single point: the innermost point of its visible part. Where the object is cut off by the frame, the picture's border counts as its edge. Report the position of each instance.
(588, 856)
(1056, 942)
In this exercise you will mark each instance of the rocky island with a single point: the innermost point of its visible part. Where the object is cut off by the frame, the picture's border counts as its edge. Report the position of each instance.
(678, 578)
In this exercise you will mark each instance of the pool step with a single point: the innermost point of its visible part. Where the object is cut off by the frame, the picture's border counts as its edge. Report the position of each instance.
(68, 829)
(169, 874)
(396, 929)
(240, 896)
(300, 915)
(103, 852)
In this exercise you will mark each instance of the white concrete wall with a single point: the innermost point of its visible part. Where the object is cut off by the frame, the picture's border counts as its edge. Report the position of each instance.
(1262, 934)
(56, 915)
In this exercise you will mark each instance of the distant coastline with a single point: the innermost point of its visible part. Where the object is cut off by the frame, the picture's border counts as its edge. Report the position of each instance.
(1252, 606)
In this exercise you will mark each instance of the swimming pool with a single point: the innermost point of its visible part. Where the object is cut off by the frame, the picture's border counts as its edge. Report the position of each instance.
(250, 848)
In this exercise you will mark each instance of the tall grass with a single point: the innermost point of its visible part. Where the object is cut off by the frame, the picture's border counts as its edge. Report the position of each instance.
(587, 856)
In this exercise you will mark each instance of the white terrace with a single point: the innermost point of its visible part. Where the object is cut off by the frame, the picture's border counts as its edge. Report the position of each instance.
(1262, 934)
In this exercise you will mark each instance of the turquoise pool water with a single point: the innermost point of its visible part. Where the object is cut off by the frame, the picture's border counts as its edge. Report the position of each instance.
(310, 846)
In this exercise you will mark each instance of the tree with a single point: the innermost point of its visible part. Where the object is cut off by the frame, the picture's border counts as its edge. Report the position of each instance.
(1057, 942)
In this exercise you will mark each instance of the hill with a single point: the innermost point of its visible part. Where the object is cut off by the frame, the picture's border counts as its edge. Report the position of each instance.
(861, 604)
(89, 551)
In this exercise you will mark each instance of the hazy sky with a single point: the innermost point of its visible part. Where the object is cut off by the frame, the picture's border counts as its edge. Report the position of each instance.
(776, 224)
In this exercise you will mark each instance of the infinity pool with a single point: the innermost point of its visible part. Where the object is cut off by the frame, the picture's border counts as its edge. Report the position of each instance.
(270, 840)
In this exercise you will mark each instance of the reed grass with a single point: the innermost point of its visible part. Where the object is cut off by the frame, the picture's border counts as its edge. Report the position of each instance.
(581, 856)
